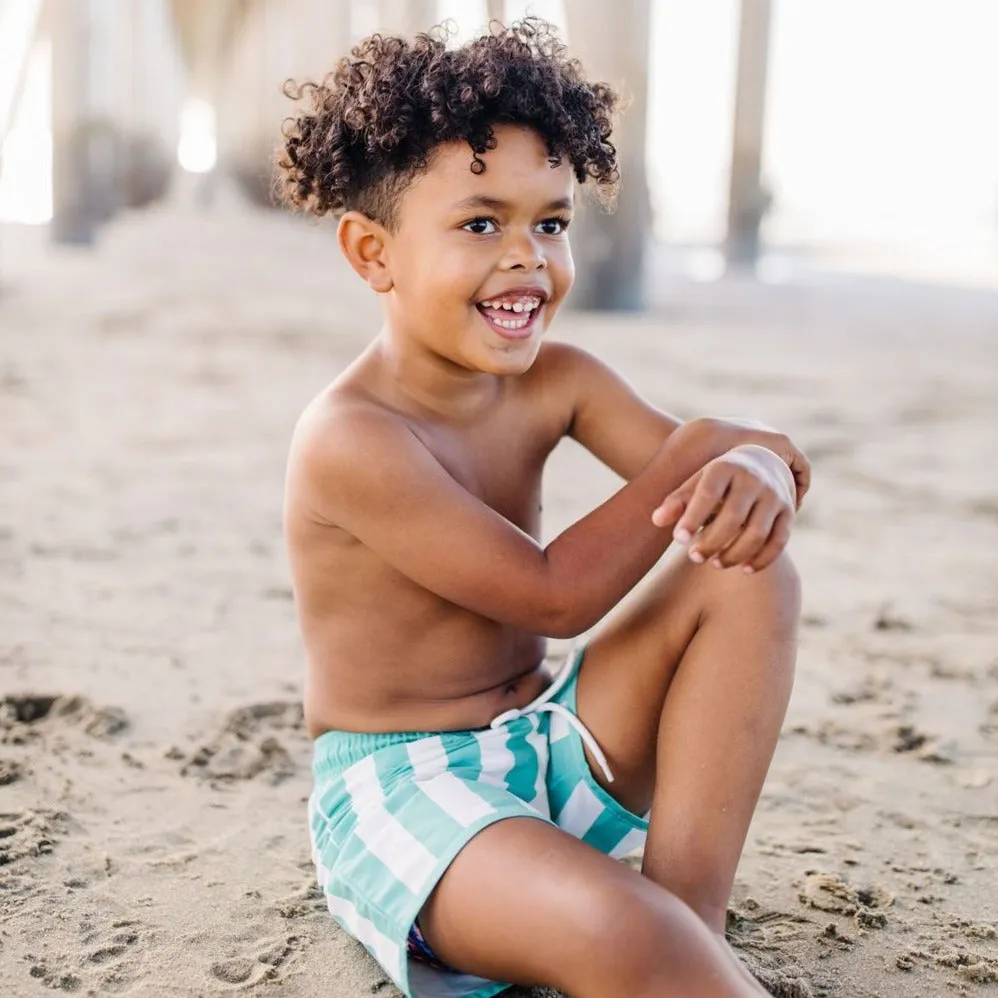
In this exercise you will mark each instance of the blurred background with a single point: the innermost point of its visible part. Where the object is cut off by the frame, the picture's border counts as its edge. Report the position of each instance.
(787, 136)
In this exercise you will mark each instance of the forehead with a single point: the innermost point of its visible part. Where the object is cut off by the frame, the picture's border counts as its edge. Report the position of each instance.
(518, 170)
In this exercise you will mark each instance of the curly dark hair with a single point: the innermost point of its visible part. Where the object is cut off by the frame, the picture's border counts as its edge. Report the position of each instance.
(375, 120)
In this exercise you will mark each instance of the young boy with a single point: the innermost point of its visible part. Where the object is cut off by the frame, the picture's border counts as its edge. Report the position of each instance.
(467, 805)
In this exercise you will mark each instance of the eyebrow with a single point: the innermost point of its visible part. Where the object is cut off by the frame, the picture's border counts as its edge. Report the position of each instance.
(497, 204)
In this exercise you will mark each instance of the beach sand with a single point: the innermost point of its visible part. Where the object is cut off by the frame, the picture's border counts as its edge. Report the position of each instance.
(153, 765)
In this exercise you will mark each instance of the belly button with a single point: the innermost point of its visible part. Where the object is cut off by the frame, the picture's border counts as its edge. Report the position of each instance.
(510, 688)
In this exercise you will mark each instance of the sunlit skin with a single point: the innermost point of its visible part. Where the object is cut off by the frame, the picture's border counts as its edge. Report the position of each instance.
(425, 597)
(462, 238)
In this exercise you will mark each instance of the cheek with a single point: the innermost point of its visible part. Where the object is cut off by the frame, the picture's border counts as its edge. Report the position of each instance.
(563, 270)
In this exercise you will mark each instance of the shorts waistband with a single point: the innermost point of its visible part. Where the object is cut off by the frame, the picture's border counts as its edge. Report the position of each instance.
(333, 751)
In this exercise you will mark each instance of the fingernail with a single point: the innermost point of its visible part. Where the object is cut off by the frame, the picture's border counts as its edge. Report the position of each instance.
(748, 569)
(681, 535)
(696, 557)
(717, 563)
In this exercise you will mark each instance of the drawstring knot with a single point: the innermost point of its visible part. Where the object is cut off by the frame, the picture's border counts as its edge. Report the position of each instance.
(541, 704)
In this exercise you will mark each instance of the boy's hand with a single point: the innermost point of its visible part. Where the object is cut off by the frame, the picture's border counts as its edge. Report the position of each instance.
(743, 500)
(724, 434)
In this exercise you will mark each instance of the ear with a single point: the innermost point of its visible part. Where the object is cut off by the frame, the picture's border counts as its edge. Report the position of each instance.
(363, 242)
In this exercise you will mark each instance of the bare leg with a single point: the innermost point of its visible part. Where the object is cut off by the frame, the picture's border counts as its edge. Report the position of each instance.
(686, 691)
(527, 903)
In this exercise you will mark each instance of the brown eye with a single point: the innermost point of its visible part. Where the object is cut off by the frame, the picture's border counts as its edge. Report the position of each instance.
(552, 226)
(480, 226)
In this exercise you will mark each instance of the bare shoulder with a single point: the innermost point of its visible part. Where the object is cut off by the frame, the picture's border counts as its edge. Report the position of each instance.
(342, 439)
(564, 360)
(568, 376)
(559, 375)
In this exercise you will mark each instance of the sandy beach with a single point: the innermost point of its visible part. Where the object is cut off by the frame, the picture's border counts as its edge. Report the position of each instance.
(153, 764)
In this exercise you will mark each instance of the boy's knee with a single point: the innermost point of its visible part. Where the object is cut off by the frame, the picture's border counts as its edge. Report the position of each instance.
(784, 579)
(776, 590)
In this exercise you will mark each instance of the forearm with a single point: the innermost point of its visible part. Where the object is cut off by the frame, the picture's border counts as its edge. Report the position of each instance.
(593, 564)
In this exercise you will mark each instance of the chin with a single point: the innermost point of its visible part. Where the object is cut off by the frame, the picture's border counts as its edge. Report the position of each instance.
(512, 362)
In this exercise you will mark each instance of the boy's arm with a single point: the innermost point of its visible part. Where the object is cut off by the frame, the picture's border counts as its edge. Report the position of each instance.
(367, 473)
(624, 431)
(609, 418)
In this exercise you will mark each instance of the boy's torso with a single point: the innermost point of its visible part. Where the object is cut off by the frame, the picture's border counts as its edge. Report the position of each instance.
(385, 654)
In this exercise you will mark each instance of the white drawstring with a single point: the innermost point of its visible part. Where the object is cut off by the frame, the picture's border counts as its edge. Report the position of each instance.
(541, 704)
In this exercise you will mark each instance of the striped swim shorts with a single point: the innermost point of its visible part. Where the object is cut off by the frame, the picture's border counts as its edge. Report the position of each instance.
(389, 812)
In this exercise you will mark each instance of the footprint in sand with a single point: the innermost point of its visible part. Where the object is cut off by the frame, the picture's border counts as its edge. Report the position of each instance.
(970, 965)
(903, 739)
(56, 979)
(113, 943)
(27, 717)
(760, 936)
(10, 771)
(27, 834)
(247, 971)
(826, 892)
(248, 745)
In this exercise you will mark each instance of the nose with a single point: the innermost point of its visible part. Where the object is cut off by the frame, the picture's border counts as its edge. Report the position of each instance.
(523, 252)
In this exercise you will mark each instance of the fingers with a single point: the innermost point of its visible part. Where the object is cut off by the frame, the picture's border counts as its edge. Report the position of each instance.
(670, 511)
(801, 469)
(675, 503)
(778, 538)
(752, 539)
(707, 495)
(726, 527)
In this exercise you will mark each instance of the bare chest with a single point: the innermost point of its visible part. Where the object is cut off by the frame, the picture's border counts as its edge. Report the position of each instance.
(500, 463)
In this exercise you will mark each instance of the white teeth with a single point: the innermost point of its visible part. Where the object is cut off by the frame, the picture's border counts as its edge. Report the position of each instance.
(520, 305)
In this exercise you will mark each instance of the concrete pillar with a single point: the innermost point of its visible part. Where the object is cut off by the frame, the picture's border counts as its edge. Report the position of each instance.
(108, 150)
(152, 92)
(610, 249)
(278, 40)
(73, 216)
(748, 199)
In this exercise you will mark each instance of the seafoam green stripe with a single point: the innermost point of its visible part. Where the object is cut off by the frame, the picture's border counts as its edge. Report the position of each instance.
(522, 779)
(464, 755)
(606, 831)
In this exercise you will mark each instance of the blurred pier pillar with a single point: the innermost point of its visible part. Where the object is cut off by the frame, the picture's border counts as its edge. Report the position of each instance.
(748, 199)
(108, 150)
(610, 249)
(73, 212)
(277, 40)
(406, 17)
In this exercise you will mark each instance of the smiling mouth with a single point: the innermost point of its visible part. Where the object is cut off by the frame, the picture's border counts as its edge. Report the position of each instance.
(512, 318)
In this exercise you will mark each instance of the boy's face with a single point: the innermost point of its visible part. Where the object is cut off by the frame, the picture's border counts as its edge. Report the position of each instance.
(480, 263)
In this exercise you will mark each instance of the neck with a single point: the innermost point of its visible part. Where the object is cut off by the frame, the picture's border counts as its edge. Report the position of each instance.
(419, 379)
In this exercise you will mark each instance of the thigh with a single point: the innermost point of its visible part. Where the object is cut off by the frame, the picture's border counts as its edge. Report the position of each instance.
(626, 671)
(525, 902)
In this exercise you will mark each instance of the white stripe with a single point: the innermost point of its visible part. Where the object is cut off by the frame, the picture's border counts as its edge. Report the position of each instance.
(559, 727)
(428, 757)
(454, 796)
(386, 952)
(633, 840)
(581, 811)
(384, 835)
(497, 757)
(362, 784)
